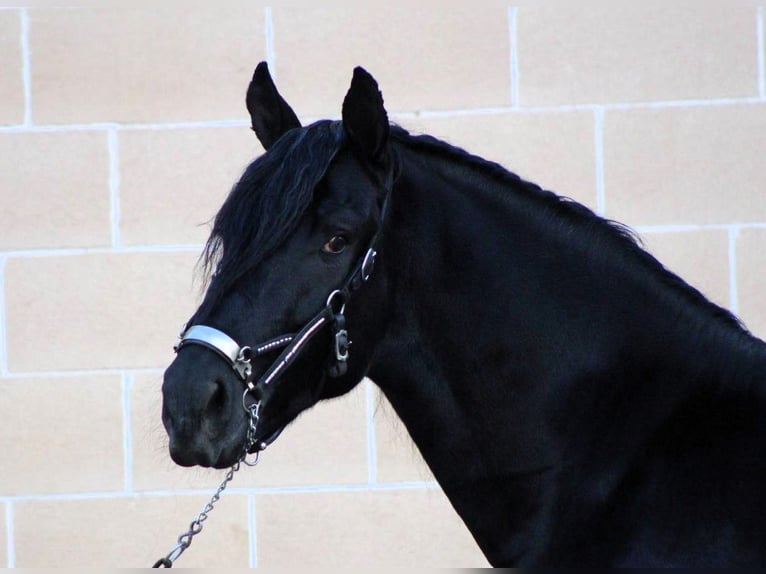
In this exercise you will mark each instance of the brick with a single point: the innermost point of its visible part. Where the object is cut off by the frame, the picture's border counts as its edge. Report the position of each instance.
(82, 442)
(144, 64)
(129, 532)
(627, 52)
(426, 55)
(555, 149)
(391, 529)
(172, 182)
(699, 257)
(96, 311)
(696, 165)
(11, 83)
(398, 459)
(751, 260)
(54, 190)
(326, 445)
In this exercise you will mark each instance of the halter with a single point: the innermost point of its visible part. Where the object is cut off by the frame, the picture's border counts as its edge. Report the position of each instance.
(240, 357)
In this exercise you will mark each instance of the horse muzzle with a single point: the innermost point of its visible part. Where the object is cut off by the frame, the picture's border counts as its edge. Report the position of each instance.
(202, 412)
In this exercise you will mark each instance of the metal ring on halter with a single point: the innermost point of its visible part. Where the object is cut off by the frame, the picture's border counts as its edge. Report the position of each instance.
(333, 295)
(245, 354)
(255, 461)
(248, 408)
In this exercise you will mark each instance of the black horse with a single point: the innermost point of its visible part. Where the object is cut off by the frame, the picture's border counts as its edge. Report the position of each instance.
(578, 403)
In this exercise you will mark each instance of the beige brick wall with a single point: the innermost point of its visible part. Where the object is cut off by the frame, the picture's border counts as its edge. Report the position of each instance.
(122, 129)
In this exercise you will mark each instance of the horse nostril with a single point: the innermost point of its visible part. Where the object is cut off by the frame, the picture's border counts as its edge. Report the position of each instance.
(217, 400)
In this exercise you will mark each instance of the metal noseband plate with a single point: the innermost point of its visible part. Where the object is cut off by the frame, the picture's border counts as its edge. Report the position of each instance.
(212, 338)
(219, 342)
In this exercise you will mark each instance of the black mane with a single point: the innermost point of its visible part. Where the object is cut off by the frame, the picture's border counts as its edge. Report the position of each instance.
(265, 206)
(594, 230)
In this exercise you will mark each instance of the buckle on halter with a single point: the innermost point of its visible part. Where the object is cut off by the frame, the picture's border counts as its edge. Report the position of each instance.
(368, 264)
(341, 345)
(242, 363)
(338, 367)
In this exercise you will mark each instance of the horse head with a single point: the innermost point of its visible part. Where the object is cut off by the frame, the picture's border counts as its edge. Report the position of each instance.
(288, 255)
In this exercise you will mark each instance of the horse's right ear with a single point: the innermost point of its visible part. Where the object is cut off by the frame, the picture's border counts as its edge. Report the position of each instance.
(270, 116)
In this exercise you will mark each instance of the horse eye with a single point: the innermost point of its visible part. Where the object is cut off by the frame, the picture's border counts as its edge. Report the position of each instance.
(336, 245)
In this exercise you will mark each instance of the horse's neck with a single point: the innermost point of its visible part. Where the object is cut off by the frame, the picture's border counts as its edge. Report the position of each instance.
(489, 291)
(510, 350)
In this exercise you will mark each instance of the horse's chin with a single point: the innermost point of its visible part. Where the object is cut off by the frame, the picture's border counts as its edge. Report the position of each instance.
(227, 456)
(231, 454)
(223, 462)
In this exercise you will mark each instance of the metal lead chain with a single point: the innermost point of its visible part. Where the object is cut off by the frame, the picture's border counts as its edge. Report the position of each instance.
(195, 527)
(252, 426)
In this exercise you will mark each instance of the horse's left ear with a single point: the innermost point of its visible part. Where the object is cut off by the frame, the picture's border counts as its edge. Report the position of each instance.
(364, 117)
(270, 115)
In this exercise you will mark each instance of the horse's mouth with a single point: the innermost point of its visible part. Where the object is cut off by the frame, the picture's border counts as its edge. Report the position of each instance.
(197, 454)
(200, 451)
(227, 457)
(232, 453)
